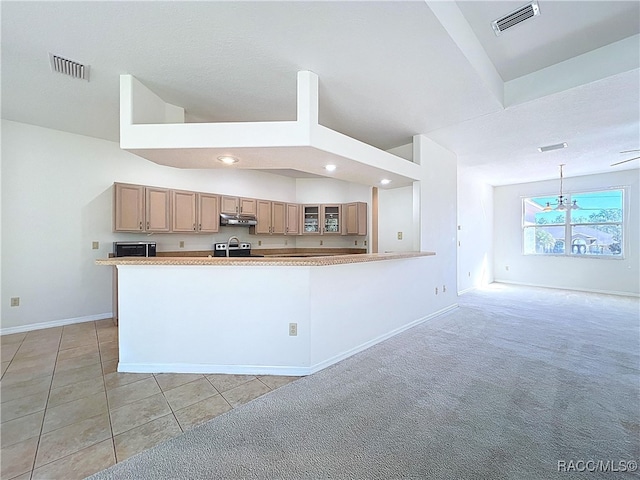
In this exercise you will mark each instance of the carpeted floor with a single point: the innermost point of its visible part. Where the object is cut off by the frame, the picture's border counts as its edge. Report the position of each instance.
(517, 383)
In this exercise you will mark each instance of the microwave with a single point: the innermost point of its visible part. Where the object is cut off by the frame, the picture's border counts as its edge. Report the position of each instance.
(134, 249)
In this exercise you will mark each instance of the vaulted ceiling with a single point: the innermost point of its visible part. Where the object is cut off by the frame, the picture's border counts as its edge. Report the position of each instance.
(387, 71)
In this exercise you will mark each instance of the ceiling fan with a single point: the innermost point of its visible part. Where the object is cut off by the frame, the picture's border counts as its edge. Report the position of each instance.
(627, 160)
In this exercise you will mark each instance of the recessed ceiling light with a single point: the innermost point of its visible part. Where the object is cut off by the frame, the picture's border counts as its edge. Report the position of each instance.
(385, 181)
(329, 168)
(228, 159)
(548, 148)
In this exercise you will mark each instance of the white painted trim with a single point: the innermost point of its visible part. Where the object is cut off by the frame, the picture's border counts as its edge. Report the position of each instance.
(335, 359)
(587, 290)
(467, 290)
(212, 369)
(54, 323)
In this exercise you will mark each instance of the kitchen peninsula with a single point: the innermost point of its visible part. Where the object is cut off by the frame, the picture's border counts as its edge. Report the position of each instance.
(271, 315)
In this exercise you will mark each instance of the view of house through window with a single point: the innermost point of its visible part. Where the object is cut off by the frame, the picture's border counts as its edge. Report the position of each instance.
(594, 228)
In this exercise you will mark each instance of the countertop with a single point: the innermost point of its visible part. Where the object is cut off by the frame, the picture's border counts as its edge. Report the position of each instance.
(264, 261)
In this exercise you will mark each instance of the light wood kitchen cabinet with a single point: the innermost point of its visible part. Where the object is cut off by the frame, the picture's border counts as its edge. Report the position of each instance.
(311, 222)
(184, 207)
(233, 205)
(194, 212)
(271, 218)
(293, 219)
(208, 213)
(128, 213)
(331, 219)
(141, 209)
(157, 209)
(355, 221)
(322, 219)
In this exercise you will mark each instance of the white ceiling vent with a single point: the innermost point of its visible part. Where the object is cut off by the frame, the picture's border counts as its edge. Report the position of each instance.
(69, 67)
(523, 13)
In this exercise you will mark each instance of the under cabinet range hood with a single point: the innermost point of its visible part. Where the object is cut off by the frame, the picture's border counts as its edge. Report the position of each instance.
(239, 219)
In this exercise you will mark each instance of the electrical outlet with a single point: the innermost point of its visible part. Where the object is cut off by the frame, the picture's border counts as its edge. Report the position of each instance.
(469, 274)
(399, 235)
(293, 329)
(436, 290)
(15, 301)
(356, 242)
(259, 242)
(365, 243)
(506, 268)
(181, 243)
(95, 245)
(444, 289)
(321, 242)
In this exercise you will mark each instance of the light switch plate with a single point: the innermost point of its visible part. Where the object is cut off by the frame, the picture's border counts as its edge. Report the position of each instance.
(95, 245)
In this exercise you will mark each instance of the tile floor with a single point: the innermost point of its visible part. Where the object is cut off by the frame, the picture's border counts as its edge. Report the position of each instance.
(66, 413)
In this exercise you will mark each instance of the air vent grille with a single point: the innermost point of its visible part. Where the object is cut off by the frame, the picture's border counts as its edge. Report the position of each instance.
(69, 67)
(530, 10)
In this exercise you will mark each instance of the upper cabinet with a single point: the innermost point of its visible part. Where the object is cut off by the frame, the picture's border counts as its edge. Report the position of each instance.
(141, 209)
(208, 213)
(271, 218)
(157, 209)
(128, 213)
(184, 211)
(292, 226)
(355, 221)
(322, 219)
(236, 205)
(311, 224)
(332, 219)
(138, 208)
(194, 212)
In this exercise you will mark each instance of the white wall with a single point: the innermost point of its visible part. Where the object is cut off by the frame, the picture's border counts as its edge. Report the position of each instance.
(395, 214)
(579, 273)
(475, 232)
(57, 199)
(438, 213)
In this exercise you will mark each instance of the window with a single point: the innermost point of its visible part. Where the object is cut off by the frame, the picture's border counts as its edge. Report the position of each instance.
(594, 229)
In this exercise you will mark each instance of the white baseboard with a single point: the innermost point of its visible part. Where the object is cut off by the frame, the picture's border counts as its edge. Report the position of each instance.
(212, 369)
(54, 323)
(335, 359)
(588, 290)
(292, 370)
(467, 290)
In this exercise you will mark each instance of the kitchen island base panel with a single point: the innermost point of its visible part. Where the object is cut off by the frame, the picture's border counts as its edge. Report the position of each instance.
(230, 319)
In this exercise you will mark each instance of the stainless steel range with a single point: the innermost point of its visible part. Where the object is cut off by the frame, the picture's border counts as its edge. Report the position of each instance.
(239, 249)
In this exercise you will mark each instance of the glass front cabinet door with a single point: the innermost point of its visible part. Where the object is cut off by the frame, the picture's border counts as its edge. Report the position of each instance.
(310, 219)
(332, 219)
